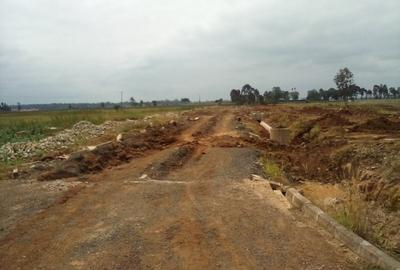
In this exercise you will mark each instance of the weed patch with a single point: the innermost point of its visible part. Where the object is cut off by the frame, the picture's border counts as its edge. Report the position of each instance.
(272, 170)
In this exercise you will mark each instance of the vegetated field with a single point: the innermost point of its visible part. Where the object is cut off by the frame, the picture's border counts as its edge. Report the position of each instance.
(176, 194)
(23, 126)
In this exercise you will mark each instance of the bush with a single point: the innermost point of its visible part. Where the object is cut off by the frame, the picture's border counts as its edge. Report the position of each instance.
(272, 170)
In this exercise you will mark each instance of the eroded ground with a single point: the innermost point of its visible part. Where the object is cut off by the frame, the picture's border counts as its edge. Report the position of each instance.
(345, 158)
(173, 197)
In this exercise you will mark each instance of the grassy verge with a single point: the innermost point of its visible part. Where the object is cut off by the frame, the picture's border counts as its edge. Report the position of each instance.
(25, 126)
(361, 212)
(272, 170)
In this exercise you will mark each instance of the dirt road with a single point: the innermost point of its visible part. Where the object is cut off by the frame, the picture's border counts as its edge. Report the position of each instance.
(196, 209)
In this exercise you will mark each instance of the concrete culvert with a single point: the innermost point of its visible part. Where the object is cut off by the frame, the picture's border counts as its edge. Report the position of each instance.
(280, 135)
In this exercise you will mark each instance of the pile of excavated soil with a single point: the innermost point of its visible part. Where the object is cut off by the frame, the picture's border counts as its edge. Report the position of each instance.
(332, 119)
(378, 124)
(112, 153)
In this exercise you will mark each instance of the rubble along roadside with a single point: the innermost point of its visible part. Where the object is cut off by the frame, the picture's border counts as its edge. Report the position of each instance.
(64, 139)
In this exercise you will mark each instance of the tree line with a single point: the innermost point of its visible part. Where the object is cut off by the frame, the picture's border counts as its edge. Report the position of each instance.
(4, 107)
(346, 90)
(250, 95)
(355, 92)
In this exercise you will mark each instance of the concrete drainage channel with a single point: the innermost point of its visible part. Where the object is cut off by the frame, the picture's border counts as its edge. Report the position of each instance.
(365, 250)
(368, 252)
(280, 135)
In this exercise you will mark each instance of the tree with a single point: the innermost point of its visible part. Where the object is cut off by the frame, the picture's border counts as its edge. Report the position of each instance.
(369, 93)
(132, 101)
(19, 106)
(384, 90)
(376, 90)
(4, 107)
(276, 94)
(251, 97)
(247, 95)
(313, 95)
(102, 105)
(393, 92)
(218, 101)
(285, 95)
(256, 94)
(353, 91)
(185, 100)
(236, 96)
(363, 92)
(294, 95)
(323, 94)
(332, 94)
(343, 80)
(154, 102)
(268, 97)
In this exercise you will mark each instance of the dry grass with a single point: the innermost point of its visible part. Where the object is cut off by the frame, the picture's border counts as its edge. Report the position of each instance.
(362, 212)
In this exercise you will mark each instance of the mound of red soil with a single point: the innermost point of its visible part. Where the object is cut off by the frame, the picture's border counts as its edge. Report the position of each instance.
(112, 153)
(332, 119)
(378, 124)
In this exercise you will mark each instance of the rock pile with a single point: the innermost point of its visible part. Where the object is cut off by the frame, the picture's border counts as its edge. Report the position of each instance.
(60, 141)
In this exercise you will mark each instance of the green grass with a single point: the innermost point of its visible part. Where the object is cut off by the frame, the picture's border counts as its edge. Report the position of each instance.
(26, 126)
(271, 169)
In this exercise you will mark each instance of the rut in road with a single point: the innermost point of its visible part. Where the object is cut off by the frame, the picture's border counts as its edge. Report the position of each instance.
(212, 218)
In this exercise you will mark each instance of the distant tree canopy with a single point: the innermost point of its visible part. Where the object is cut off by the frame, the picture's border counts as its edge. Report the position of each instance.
(132, 101)
(344, 81)
(250, 95)
(4, 107)
(219, 101)
(294, 95)
(185, 100)
(346, 89)
(313, 95)
(353, 92)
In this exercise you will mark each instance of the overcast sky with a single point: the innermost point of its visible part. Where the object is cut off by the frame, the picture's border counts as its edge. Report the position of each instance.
(90, 50)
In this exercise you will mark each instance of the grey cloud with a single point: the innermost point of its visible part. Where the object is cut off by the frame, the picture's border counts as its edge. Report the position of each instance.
(69, 51)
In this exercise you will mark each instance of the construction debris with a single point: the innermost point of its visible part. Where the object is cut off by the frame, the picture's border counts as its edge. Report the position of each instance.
(60, 141)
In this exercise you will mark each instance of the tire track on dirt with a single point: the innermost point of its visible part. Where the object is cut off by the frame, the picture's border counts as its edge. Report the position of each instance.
(189, 147)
